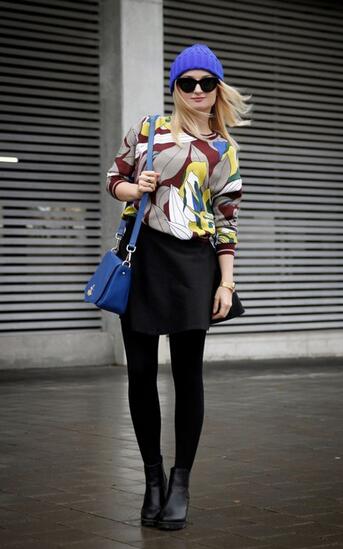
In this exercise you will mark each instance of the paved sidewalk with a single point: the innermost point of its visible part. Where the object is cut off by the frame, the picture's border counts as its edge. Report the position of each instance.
(268, 472)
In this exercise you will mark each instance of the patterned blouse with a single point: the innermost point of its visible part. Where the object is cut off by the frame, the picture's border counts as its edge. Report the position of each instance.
(199, 189)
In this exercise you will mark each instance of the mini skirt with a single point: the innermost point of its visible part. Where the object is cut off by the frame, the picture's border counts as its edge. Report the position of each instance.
(172, 284)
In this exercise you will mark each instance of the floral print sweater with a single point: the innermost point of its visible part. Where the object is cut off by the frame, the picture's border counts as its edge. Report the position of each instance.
(199, 190)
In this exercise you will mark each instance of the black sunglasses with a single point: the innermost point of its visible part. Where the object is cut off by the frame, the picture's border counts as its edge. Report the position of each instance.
(187, 84)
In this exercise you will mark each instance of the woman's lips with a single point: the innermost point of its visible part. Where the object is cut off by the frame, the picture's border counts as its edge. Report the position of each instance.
(198, 98)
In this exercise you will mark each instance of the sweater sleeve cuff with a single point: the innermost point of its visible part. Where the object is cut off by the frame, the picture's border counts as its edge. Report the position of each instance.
(113, 182)
(226, 248)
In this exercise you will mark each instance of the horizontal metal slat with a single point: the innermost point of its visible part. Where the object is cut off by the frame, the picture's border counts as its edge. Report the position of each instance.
(19, 149)
(18, 291)
(303, 150)
(280, 208)
(288, 280)
(91, 166)
(284, 235)
(329, 294)
(294, 190)
(46, 278)
(59, 103)
(28, 270)
(37, 73)
(64, 135)
(76, 214)
(14, 113)
(36, 307)
(77, 223)
(46, 315)
(50, 172)
(269, 223)
(32, 43)
(37, 241)
(34, 300)
(47, 251)
(271, 197)
(46, 261)
(72, 232)
(289, 269)
(50, 199)
(50, 66)
(267, 216)
(276, 254)
(47, 326)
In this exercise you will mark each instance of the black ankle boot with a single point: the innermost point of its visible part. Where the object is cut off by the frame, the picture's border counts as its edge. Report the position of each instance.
(173, 515)
(155, 493)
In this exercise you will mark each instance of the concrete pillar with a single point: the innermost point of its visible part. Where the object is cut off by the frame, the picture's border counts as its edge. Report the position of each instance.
(131, 83)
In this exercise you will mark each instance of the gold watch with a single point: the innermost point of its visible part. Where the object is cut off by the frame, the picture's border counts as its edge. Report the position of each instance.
(230, 285)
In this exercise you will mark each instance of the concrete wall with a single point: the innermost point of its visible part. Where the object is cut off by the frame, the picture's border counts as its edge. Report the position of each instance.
(316, 343)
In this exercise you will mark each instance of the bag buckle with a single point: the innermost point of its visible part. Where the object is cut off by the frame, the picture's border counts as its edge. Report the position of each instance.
(118, 238)
(130, 250)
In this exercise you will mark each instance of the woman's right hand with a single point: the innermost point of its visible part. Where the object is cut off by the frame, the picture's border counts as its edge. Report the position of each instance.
(147, 182)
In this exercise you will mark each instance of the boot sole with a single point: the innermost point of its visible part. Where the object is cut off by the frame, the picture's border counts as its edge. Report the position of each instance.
(171, 525)
(148, 522)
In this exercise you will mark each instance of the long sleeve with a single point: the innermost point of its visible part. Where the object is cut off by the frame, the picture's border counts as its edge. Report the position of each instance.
(226, 194)
(124, 163)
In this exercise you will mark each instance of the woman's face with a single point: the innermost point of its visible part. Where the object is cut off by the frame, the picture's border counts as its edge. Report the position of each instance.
(199, 99)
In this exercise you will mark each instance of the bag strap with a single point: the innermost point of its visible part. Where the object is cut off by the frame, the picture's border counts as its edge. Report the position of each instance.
(131, 247)
(144, 199)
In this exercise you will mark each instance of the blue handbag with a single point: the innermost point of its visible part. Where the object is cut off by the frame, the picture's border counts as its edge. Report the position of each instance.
(109, 287)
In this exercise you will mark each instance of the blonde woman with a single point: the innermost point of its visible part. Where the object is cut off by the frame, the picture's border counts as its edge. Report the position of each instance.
(189, 225)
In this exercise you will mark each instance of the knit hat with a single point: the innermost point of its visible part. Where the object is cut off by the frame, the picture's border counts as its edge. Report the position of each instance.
(198, 56)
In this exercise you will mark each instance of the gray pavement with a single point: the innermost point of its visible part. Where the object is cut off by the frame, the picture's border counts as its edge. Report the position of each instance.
(267, 474)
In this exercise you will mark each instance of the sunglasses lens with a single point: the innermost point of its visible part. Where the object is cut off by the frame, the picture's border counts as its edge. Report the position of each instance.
(188, 85)
(208, 84)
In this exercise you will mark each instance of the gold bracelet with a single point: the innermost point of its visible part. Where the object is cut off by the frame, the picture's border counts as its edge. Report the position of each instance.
(230, 285)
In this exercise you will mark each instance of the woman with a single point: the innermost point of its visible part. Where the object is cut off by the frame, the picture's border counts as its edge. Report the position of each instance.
(189, 228)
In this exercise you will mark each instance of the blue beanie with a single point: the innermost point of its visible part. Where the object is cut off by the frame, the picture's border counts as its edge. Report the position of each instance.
(198, 56)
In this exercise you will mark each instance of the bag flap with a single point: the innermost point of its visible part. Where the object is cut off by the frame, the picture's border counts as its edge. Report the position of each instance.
(100, 278)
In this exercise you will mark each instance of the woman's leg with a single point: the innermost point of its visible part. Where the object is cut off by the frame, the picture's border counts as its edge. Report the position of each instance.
(142, 367)
(187, 350)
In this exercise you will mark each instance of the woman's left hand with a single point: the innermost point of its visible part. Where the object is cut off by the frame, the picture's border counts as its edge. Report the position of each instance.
(222, 303)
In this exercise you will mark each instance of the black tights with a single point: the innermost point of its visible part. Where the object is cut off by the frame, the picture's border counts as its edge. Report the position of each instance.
(186, 350)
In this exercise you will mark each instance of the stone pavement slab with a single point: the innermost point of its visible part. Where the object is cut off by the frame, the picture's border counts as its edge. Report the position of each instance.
(267, 474)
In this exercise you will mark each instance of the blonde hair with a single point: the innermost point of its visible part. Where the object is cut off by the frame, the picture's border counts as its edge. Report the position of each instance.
(228, 110)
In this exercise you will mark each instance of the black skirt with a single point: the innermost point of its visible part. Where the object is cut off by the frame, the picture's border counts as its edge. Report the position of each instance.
(172, 282)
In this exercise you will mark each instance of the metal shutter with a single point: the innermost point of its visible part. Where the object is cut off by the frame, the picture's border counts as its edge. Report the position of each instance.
(50, 199)
(289, 56)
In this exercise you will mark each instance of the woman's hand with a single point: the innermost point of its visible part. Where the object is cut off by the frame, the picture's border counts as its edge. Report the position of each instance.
(222, 303)
(147, 182)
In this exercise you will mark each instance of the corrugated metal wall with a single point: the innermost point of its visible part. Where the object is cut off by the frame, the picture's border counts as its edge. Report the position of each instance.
(50, 199)
(289, 55)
